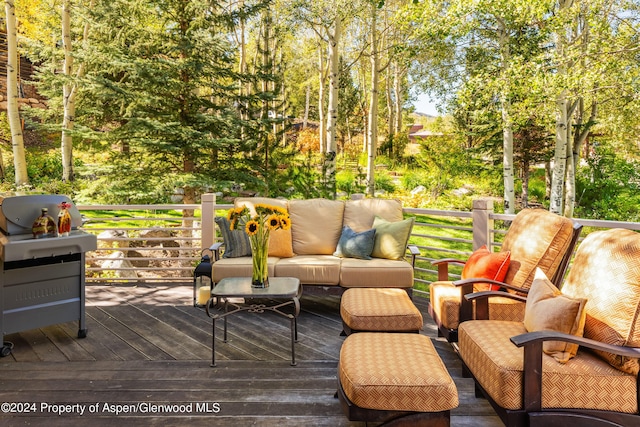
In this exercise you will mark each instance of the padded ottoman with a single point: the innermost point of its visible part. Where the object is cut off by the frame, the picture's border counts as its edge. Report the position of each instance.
(379, 310)
(394, 378)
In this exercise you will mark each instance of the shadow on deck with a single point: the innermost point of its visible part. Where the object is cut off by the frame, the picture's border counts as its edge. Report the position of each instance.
(146, 360)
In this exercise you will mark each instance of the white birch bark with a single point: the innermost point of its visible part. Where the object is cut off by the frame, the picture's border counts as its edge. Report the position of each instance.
(17, 140)
(321, 94)
(560, 156)
(507, 126)
(68, 95)
(332, 113)
(397, 90)
(373, 106)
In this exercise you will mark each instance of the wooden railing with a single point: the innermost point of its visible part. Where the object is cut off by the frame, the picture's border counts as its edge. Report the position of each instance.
(164, 242)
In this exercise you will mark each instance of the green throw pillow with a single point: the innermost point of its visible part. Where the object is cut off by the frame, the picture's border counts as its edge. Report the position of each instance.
(391, 238)
(236, 242)
(355, 245)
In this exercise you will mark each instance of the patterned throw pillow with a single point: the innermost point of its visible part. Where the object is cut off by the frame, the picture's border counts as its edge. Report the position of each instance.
(236, 242)
(355, 245)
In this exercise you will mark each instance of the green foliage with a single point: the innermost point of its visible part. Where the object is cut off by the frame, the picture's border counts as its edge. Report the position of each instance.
(608, 187)
(351, 182)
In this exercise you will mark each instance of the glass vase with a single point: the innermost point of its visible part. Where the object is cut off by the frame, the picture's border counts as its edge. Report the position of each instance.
(259, 255)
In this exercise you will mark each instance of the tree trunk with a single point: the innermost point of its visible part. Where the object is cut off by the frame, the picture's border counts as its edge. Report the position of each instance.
(17, 140)
(306, 107)
(68, 95)
(332, 116)
(507, 126)
(397, 89)
(560, 156)
(321, 126)
(373, 107)
(391, 111)
(525, 183)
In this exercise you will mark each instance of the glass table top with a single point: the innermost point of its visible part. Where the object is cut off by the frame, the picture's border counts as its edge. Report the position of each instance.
(279, 287)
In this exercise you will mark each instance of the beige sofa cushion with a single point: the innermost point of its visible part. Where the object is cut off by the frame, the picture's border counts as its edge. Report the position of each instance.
(586, 381)
(280, 241)
(316, 225)
(238, 267)
(359, 214)
(311, 269)
(606, 272)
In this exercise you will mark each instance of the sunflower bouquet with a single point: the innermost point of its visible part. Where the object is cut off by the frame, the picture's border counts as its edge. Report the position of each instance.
(258, 227)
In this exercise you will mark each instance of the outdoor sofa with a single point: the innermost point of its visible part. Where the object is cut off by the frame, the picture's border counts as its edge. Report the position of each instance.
(331, 245)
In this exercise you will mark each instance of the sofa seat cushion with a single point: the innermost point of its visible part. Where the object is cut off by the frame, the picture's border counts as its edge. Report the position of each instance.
(316, 225)
(445, 303)
(376, 273)
(238, 267)
(398, 372)
(311, 269)
(586, 381)
(379, 309)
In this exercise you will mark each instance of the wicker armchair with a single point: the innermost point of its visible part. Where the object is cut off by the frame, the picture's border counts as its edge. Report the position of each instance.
(514, 364)
(536, 238)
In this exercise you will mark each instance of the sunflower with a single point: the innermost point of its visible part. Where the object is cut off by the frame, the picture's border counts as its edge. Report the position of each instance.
(252, 227)
(273, 221)
(285, 223)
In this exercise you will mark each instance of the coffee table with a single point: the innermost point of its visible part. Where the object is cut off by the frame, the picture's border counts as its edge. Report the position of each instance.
(281, 292)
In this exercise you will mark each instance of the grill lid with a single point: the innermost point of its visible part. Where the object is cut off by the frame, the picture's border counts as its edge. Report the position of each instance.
(18, 213)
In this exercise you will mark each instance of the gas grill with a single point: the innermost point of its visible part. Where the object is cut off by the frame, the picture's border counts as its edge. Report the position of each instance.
(41, 280)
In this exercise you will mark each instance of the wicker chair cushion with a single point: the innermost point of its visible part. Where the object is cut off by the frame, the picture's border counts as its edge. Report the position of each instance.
(445, 302)
(586, 381)
(379, 309)
(399, 372)
(606, 272)
(536, 238)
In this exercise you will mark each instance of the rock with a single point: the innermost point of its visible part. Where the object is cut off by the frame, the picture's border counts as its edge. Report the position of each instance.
(117, 260)
(105, 239)
(418, 190)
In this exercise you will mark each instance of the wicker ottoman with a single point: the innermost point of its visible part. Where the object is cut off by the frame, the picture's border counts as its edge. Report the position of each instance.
(394, 378)
(379, 310)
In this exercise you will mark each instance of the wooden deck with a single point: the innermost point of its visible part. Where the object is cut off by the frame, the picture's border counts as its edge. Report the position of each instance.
(146, 360)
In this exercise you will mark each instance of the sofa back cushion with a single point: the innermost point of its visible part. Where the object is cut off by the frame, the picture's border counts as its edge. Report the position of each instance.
(536, 238)
(280, 241)
(606, 271)
(359, 214)
(316, 225)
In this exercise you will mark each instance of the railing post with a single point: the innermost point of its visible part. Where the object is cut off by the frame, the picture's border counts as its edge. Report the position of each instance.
(482, 222)
(208, 215)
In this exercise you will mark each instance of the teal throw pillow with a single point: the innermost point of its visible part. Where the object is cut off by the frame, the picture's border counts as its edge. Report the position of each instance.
(236, 242)
(355, 245)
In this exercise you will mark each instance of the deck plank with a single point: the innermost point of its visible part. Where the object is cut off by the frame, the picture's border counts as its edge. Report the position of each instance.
(148, 345)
